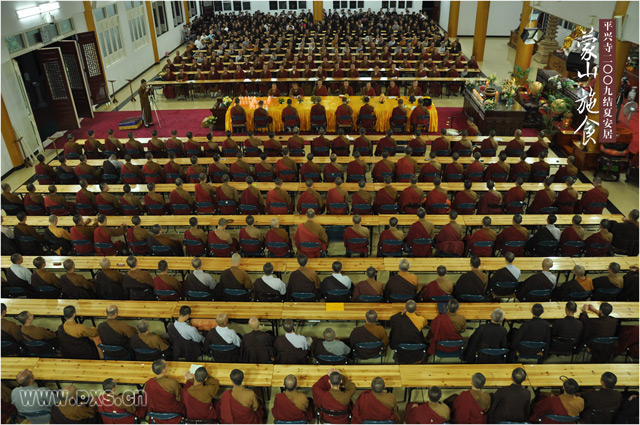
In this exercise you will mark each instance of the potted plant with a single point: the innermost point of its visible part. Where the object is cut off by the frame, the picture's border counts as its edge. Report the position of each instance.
(209, 122)
(521, 75)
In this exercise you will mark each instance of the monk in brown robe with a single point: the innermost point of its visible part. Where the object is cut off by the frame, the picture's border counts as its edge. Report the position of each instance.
(327, 394)
(240, 405)
(471, 405)
(565, 404)
(29, 332)
(114, 331)
(163, 394)
(80, 335)
(569, 170)
(431, 412)
(87, 286)
(473, 282)
(146, 339)
(310, 231)
(198, 395)
(145, 105)
(71, 409)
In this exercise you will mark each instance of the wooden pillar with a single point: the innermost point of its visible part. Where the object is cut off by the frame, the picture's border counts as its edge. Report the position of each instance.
(454, 13)
(622, 52)
(318, 14)
(523, 51)
(152, 31)
(185, 6)
(10, 138)
(480, 33)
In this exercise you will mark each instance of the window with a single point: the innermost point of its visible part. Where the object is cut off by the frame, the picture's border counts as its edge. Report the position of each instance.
(137, 26)
(99, 14)
(246, 5)
(237, 6)
(302, 5)
(159, 18)
(273, 5)
(132, 4)
(109, 37)
(227, 6)
(336, 5)
(217, 6)
(400, 5)
(65, 26)
(176, 13)
(409, 5)
(360, 5)
(15, 43)
(193, 9)
(293, 5)
(344, 4)
(282, 5)
(392, 4)
(353, 5)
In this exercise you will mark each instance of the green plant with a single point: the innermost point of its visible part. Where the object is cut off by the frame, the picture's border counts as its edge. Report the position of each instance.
(520, 74)
(281, 100)
(491, 79)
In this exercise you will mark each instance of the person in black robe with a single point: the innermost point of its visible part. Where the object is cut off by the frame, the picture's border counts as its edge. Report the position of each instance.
(566, 333)
(508, 274)
(572, 289)
(473, 282)
(146, 340)
(234, 278)
(193, 283)
(628, 413)
(286, 352)
(303, 280)
(630, 287)
(542, 280)
(334, 283)
(512, 403)
(489, 335)
(265, 292)
(611, 282)
(114, 331)
(536, 330)
(370, 332)
(601, 327)
(137, 283)
(406, 328)
(109, 282)
(399, 284)
(534, 246)
(601, 405)
(215, 338)
(257, 345)
(625, 234)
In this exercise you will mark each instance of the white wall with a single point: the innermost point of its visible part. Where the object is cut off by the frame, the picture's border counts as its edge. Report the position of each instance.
(5, 161)
(16, 103)
(504, 16)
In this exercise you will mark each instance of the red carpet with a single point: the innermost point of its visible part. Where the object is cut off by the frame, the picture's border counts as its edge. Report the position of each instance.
(184, 120)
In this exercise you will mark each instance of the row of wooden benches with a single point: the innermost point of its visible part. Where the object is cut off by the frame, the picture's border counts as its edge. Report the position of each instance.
(268, 375)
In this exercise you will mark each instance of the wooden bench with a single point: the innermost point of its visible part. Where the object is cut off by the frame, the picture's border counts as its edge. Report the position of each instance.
(552, 375)
(328, 70)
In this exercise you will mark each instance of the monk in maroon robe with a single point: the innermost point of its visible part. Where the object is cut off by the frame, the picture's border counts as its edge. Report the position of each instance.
(447, 326)
(310, 196)
(441, 144)
(598, 244)
(382, 168)
(276, 197)
(387, 144)
(226, 192)
(567, 201)
(163, 394)
(327, 395)
(411, 197)
(431, 169)
(310, 231)
(449, 239)
(421, 229)
(465, 201)
(340, 145)
(498, 171)
(516, 146)
(491, 201)
(375, 404)
(292, 405)
(198, 395)
(540, 169)
(407, 166)
(356, 169)
(240, 405)
(544, 198)
(335, 196)
(565, 404)
(485, 234)
(205, 196)
(569, 170)
(538, 146)
(591, 201)
(437, 201)
(432, 412)
(520, 169)
(573, 233)
(286, 167)
(333, 170)
(344, 114)
(388, 195)
(516, 232)
(252, 196)
(513, 197)
(471, 406)
(475, 170)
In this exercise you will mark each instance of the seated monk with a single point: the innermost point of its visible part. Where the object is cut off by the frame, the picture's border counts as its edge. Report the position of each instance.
(449, 239)
(369, 286)
(447, 326)
(229, 146)
(406, 328)
(565, 404)
(345, 88)
(473, 282)
(235, 278)
(45, 173)
(164, 281)
(366, 116)
(385, 200)
(356, 169)
(418, 145)
(51, 200)
(251, 196)
(194, 170)
(387, 143)
(406, 166)
(290, 117)
(76, 341)
(542, 280)
(625, 234)
(431, 169)
(151, 170)
(292, 405)
(599, 243)
(411, 198)
(131, 204)
(491, 201)
(432, 412)
(383, 168)
(421, 229)
(327, 394)
(72, 408)
(204, 196)
(238, 114)
(453, 172)
(156, 146)
(441, 145)
(399, 118)
(229, 197)
(344, 115)
(514, 198)
(251, 233)
(392, 234)
(174, 144)
(375, 404)
(240, 405)
(318, 113)
(240, 169)
(516, 232)
(104, 234)
(340, 145)
(89, 173)
(498, 171)
(276, 197)
(516, 146)
(109, 282)
(272, 147)
(520, 169)
(264, 170)
(569, 170)
(538, 146)
(172, 170)
(279, 236)
(475, 170)
(611, 281)
(437, 201)
(156, 238)
(310, 231)
(220, 236)
(440, 287)
(393, 90)
(489, 146)
(472, 129)
(336, 197)
(370, 332)
(137, 283)
(471, 406)
(544, 199)
(357, 231)
(573, 233)
(252, 146)
(42, 277)
(154, 201)
(362, 144)
(464, 145)
(465, 201)
(567, 200)
(592, 201)
(304, 279)
(296, 143)
(198, 395)
(403, 283)
(361, 200)
(310, 198)
(540, 169)
(164, 394)
(333, 170)
(181, 201)
(485, 234)
(310, 170)
(321, 90)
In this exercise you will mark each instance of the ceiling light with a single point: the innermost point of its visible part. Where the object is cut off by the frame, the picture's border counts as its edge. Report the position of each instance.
(37, 10)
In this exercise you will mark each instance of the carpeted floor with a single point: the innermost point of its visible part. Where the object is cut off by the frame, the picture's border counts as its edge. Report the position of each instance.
(184, 120)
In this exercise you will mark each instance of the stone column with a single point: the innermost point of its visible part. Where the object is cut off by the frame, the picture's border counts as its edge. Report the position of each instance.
(548, 43)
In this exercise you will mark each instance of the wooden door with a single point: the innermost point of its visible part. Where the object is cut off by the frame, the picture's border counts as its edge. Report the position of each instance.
(58, 87)
(77, 81)
(94, 70)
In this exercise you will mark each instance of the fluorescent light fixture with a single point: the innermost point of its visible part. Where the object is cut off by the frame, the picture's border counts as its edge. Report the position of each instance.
(37, 10)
